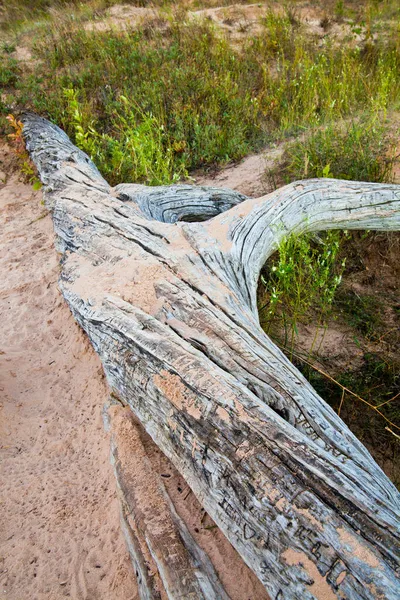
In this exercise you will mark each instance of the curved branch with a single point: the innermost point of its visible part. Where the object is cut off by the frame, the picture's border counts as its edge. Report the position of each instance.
(61, 164)
(251, 232)
(173, 203)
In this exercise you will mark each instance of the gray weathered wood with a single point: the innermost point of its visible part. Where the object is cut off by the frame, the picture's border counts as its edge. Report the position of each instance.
(168, 562)
(170, 307)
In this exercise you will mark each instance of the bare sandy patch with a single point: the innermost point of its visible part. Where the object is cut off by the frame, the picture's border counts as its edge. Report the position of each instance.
(59, 523)
(249, 176)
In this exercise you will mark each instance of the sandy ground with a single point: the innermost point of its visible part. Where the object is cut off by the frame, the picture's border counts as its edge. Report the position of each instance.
(59, 516)
(238, 21)
(249, 176)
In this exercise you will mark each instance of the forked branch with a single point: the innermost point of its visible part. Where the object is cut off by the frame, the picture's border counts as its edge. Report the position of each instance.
(170, 308)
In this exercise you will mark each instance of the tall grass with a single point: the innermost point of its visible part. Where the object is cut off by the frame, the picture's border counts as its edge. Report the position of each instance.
(205, 100)
(363, 149)
(143, 152)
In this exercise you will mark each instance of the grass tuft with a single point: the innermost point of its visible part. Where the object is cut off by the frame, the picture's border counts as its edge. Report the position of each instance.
(360, 150)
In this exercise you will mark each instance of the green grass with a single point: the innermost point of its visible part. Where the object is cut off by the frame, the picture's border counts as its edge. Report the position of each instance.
(362, 150)
(377, 381)
(143, 153)
(362, 312)
(9, 72)
(211, 101)
(18, 13)
(300, 279)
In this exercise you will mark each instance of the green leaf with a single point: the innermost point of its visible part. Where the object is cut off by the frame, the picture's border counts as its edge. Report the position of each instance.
(326, 171)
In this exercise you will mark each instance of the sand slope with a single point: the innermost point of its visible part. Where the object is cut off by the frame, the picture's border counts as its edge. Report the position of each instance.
(59, 519)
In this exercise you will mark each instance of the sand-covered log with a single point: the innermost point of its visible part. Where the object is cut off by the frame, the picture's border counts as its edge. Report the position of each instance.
(167, 560)
(170, 307)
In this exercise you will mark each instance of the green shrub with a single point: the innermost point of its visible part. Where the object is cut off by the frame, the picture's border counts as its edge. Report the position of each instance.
(358, 151)
(142, 152)
(302, 276)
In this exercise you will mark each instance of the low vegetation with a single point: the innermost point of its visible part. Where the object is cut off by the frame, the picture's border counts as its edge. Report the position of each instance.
(109, 87)
(314, 319)
(360, 150)
(304, 276)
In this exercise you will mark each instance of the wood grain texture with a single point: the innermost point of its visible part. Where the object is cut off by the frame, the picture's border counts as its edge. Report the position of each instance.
(170, 307)
(167, 561)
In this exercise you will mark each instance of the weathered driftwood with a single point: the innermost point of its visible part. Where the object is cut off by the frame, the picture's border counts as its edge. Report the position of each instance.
(168, 562)
(170, 307)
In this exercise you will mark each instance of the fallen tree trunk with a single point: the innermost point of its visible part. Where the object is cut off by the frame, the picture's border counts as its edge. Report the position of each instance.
(170, 307)
(168, 562)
